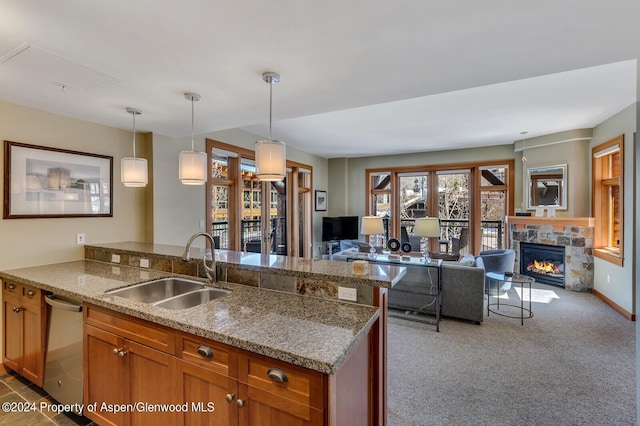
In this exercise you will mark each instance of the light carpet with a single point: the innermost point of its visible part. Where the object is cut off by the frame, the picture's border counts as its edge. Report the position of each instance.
(573, 363)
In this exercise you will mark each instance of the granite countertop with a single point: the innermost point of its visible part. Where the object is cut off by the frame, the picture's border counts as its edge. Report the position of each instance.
(311, 332)
(379, 275)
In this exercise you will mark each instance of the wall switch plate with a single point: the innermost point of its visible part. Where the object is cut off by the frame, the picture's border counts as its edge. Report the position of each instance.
(144, 263)
(80, 238)
(115, 258)
(201, 224)
(346, 293)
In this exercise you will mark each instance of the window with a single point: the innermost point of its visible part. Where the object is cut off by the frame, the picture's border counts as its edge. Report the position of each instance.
(471, 201)
(236, 199)
(608, 200)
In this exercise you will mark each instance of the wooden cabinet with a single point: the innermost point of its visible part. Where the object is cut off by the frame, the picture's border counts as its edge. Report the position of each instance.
(130, 360)
(24, 320)
(275, 392)
(126, 380)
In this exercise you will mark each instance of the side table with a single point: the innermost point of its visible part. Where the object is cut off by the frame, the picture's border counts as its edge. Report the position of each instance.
(498, 278)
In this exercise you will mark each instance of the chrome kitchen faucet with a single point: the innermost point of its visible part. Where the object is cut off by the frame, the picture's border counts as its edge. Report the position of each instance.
(210, 271)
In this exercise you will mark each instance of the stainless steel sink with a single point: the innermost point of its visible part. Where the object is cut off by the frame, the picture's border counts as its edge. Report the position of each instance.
(157, 290)
(195, 298)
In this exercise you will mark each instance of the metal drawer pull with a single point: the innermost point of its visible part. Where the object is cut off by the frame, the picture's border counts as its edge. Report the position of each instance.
(116, 351)
(205, 351)
(16, 310)
(30, 293)
(11, 286)
(121, 354)
(229, 397)
(240, 403)
(277, 375)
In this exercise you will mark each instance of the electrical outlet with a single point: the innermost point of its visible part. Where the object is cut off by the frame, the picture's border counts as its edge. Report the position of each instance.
(144, 263)
(608, 279)
(115, 258)
(346, 293)
(80, 238)
(201, 224)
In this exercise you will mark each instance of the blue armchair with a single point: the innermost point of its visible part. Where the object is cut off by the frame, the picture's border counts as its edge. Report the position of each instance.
(498, 261)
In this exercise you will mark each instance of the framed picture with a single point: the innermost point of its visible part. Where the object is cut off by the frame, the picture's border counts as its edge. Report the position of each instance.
(321, 201)
(41, 182)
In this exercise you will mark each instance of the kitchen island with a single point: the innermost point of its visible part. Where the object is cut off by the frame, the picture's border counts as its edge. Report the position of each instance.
(323, 344)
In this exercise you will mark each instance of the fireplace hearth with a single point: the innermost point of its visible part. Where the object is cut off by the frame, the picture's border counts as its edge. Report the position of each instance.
(543, 262)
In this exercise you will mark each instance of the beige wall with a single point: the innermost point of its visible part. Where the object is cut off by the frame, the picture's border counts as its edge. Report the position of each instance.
(26, 242)
(178, 209)
(617, 283)
(351, 171)
(575, 154)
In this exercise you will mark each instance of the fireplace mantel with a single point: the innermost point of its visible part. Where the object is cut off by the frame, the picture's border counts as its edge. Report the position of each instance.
(558, 223)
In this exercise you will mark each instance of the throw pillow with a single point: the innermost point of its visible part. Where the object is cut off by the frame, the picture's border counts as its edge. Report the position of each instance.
(468, 260)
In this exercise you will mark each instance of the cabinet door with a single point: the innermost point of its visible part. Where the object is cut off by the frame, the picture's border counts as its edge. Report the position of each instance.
(261, 408)
(149, 379)
(12, 333)
(103, 375)
(33, 341)
(204, 391)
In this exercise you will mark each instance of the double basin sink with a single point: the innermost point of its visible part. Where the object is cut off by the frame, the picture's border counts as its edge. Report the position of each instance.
(170, 293)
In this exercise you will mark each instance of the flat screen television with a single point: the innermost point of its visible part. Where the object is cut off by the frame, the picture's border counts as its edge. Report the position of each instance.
(339, 228)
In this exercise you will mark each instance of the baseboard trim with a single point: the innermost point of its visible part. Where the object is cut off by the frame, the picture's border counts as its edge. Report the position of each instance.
(615, 306)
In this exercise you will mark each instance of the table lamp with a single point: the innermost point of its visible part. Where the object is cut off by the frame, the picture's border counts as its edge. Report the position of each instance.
(427, 227)
(371, 225)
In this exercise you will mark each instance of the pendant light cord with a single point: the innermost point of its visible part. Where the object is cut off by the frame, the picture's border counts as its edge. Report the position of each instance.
(270, 104)
(192, 126)
(134, 135)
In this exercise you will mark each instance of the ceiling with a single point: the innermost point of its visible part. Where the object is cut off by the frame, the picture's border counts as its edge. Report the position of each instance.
(358, 78)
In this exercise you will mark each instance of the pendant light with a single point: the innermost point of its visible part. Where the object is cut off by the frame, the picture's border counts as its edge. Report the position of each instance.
(192, 165)
(271, 157)
(524, 157)
(133, 171)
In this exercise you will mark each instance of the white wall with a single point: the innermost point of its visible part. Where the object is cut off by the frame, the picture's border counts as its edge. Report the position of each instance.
(620, 288)
(178, 209)
(27, 242)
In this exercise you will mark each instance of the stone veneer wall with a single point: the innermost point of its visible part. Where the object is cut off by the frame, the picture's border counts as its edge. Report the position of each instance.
(578, 253)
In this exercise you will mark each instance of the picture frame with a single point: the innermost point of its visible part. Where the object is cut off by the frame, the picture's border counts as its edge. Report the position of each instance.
(321, 201)
(46, 182)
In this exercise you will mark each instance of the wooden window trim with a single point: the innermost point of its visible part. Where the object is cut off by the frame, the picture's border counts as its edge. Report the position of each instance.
(475, 190)
(600, 208)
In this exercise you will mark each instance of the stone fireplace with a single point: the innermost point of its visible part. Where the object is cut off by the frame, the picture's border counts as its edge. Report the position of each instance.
(575, 235)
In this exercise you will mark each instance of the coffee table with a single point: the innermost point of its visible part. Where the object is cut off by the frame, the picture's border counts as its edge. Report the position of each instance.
(499, 278)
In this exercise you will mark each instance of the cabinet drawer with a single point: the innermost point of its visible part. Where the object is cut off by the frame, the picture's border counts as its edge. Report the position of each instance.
(214, 356)
(12, 288)
(31, 295)
(299, 384)
(134, 329)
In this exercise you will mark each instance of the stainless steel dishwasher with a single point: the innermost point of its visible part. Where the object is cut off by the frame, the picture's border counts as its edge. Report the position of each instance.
(63, 367)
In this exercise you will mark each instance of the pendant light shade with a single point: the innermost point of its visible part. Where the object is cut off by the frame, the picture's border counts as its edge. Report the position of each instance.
(192, 165)
(271, 155)
(133, 171)
(271, 163)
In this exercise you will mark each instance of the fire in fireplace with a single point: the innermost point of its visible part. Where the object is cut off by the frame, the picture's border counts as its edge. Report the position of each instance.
(543, 262)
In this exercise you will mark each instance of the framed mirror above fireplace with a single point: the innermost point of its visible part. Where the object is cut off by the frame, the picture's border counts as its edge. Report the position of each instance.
(547, 187)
